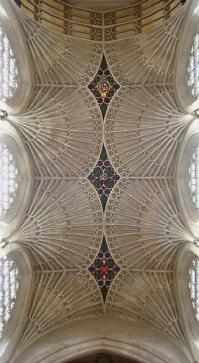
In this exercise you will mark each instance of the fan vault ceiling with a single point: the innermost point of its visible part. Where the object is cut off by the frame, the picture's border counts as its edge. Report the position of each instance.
(63, 228)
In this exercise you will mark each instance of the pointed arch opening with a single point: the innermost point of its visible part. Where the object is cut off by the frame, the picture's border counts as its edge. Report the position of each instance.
(9, 285)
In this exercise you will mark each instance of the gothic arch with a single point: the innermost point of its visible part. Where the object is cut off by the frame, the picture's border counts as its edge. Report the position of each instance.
(129, 339)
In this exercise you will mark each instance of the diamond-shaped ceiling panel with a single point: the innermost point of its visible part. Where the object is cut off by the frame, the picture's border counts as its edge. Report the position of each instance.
(104, 269)
(103, 177)
(103, 86)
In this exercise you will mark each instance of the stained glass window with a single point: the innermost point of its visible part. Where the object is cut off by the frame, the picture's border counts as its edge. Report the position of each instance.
(194, 285)
(9, 284)
(193, 69)
(9, 179)
(8, 68)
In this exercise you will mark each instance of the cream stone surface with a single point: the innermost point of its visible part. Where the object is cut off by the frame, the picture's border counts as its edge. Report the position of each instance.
(147, 315)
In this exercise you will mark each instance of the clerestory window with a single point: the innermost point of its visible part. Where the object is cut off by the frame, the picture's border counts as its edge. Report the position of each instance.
(9, 284)
(8, 85)
(9, 179)
(193, 69)
(194, 177)
(8, 69)
(15, 183)
(194, 285)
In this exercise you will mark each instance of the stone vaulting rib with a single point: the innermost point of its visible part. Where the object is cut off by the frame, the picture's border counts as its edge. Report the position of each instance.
(72, 62)
(62, 129)
(143, 131)
(152, 301)
(147, 57)
(145, 212)
(59, 297)
(63, 225)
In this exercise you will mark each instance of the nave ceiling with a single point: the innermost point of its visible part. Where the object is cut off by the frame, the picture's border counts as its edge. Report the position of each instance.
(63, 129)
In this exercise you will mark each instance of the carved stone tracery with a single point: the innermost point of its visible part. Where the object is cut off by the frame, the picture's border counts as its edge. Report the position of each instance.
(64, 131)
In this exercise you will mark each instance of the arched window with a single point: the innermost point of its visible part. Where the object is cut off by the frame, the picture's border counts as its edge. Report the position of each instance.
(8, 85)
(193, 69)
(194, 285)
(8, 68)
(194, 177)
(9, 284)
(9, 179)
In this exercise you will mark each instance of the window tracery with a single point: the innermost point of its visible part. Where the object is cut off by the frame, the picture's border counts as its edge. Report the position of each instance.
(8, 68)
(8, 85)
(9, 284)
(193, 69)
(194, 285)
(194, 177)
(9, 179)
